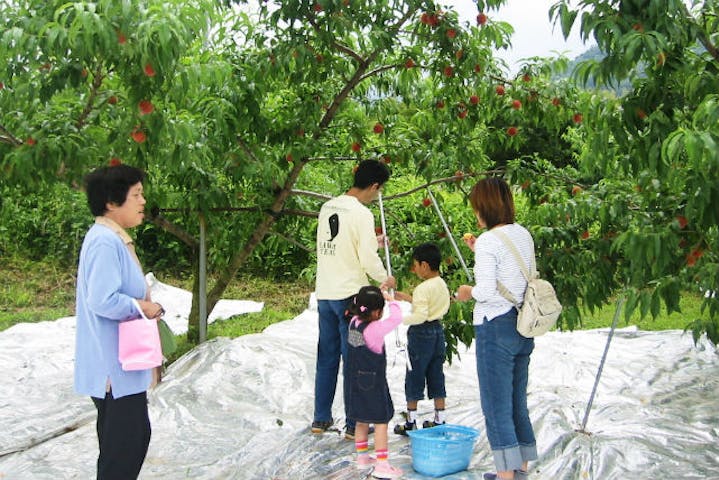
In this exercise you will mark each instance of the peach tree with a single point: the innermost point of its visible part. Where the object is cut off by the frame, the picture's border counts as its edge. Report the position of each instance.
(226, 106)
(644, 202)
(248, 116)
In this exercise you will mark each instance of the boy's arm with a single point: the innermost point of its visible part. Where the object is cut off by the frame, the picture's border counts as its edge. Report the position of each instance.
(402, 296)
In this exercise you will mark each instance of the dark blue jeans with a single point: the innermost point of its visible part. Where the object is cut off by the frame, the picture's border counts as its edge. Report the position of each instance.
(331, 346)
(503, 371)
(426, 347)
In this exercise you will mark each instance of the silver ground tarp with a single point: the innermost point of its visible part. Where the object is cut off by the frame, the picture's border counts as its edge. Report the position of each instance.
(241, 409)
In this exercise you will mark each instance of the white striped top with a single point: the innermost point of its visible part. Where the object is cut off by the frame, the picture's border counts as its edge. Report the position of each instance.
(494, 261)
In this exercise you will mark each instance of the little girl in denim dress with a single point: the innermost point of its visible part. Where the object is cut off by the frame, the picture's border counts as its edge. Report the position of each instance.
(369, 398)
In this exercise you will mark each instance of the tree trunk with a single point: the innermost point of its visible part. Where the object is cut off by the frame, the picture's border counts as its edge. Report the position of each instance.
(193, 322)
(241, 256)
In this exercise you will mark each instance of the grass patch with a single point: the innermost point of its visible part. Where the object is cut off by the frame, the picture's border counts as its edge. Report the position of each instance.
(37, 291)
(34, 291)
(282, 301)
(284, 297)
(690, 304)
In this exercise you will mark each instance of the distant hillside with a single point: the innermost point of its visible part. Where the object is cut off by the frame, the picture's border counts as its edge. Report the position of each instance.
(594, 53)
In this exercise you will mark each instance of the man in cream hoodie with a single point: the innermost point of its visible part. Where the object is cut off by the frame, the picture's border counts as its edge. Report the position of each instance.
(346, 256)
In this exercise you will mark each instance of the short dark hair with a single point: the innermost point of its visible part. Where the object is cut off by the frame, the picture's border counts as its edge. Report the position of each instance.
(110, 185)
(366, 301)
(428, 252)
(370, 172)
(492, 199)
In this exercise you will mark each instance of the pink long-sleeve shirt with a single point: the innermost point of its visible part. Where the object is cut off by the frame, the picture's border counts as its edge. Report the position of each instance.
(375, 332)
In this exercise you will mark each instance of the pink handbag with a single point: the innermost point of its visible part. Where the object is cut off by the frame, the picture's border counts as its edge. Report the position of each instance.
(139, 343)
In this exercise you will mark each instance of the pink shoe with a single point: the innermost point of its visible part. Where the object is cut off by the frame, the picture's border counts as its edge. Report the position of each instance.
(386, 471)
(365, 461)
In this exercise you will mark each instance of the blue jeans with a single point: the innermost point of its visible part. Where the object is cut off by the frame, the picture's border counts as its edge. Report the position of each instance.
(331, 346)
(503, 371)
(426, 347)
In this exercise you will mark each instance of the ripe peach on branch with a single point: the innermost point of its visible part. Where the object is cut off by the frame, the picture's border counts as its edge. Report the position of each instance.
(146, 107)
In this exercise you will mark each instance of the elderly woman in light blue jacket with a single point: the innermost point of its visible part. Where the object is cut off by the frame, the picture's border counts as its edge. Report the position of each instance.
(502, 353)
(109, 280)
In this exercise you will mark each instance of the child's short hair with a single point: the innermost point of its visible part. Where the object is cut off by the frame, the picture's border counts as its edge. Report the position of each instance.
(428, 252)
(366, 301)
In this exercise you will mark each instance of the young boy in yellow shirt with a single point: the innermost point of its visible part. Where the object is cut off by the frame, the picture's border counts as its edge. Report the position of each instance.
(425, 337)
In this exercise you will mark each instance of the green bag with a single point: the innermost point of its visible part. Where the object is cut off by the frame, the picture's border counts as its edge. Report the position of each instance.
(167, 338)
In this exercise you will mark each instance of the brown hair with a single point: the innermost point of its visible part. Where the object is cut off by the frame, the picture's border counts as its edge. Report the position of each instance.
(492, 199)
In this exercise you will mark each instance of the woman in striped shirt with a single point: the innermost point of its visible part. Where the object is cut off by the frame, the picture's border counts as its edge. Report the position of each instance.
(502, 353)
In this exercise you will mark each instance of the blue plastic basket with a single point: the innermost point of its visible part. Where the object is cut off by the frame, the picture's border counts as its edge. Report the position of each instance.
(442, 450)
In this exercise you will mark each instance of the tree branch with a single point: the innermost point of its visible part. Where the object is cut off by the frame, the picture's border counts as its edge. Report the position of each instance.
(292, 241)
(246, 149)
(359, 75)
(453, 178)
(9, 138)
(703, 37)
(339, 46)
(160, 221)
(239, 257)
(307, 193)
(437, 181)
(342, 158)
(98, 77)
(379, 70)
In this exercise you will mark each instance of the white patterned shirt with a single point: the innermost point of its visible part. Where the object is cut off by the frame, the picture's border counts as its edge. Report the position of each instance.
(494, 261)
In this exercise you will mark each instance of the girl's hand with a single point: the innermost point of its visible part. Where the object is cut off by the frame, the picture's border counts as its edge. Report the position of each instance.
(388, 296)
(389, 283)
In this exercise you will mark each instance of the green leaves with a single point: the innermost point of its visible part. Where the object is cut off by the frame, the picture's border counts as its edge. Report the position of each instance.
(251, 104)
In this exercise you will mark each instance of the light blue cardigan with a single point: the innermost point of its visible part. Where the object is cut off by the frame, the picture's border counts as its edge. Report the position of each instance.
(108, 278)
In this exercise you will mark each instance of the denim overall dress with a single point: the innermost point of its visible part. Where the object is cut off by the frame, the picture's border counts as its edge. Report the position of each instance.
(369, 399)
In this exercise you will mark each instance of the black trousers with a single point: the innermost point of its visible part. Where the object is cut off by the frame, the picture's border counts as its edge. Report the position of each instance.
(123, 433)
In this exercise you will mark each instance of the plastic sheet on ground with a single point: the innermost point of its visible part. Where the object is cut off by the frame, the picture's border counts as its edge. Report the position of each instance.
(241, 409)
(37, 401)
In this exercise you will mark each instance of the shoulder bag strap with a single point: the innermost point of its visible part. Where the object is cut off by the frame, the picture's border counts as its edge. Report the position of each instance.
(503, 291)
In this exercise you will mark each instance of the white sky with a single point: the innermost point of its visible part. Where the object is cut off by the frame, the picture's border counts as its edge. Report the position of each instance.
(534, 34)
